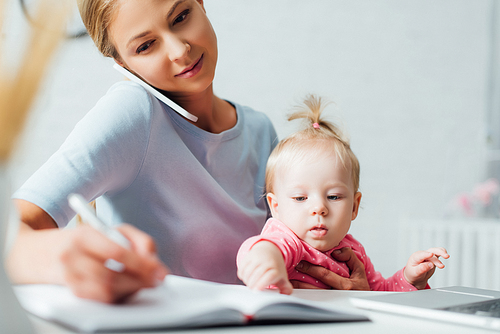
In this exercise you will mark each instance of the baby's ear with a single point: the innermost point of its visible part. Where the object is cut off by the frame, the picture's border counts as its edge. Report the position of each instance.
(355, 205)
(273, 204)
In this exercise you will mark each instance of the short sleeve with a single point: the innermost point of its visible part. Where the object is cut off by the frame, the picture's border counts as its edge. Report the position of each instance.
(103, 153)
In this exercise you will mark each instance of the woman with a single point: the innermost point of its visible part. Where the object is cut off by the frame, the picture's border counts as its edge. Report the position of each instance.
(195, 187)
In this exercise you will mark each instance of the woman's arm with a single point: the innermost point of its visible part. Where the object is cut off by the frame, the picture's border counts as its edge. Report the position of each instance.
(75, 257)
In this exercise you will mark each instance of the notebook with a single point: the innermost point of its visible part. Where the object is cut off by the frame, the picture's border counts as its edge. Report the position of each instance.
(456, 304)
(178, 303)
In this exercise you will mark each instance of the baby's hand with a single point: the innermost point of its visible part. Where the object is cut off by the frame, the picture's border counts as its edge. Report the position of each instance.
(263, 266)
(422, 265)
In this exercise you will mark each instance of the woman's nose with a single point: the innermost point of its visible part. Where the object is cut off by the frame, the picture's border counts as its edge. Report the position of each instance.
(177, 49)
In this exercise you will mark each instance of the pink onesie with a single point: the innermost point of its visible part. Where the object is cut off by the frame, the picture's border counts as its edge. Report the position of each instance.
(295, 250)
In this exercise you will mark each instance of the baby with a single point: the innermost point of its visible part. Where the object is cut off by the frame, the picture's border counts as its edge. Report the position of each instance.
(312, 181)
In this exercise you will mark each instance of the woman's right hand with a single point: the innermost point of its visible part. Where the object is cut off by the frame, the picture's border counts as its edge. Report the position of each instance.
(76, 258)
(83, 260)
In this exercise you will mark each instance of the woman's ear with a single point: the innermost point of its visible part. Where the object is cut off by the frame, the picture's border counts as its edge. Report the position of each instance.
(355, 205)
(119, 62)
(202, 5)
(273, 204)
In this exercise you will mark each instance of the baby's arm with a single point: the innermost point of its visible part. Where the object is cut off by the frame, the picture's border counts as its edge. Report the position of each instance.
(422, 265)
(262, 266)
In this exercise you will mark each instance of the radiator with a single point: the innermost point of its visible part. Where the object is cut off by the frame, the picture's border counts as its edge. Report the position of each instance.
(473, 245)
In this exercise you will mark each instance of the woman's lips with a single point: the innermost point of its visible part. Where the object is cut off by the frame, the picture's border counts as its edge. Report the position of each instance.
(192, 70)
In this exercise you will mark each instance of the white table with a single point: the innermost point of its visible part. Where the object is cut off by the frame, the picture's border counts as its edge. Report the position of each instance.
(380, 322)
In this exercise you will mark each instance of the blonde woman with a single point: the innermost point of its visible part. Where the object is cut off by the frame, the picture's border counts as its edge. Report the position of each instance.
(191, 191)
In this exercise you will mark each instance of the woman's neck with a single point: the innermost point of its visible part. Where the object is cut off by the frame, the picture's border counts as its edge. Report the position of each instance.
(214, 114)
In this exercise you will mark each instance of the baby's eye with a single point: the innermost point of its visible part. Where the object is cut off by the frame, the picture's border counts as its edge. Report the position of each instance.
(333, 197)
(300, 198)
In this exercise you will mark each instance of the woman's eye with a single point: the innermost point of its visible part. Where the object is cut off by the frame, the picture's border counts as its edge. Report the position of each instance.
(182, 16)
(144, 47)
(299, 199)
(333, 197)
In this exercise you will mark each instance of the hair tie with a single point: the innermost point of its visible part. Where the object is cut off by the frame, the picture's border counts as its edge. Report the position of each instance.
(316, 125)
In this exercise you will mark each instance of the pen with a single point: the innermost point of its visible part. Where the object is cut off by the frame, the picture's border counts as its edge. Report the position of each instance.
(80, 205)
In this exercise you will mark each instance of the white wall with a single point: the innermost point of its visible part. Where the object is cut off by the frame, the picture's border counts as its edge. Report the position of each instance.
(409, 79)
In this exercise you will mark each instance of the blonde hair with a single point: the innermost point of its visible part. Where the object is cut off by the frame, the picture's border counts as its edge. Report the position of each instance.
(317, 136)
(97, 16)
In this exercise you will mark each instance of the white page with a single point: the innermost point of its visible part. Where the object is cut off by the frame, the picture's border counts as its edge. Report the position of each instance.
(179, 302)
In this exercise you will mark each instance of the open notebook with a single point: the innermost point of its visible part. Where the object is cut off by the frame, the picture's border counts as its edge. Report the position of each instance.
(179, 303)
(456, 304)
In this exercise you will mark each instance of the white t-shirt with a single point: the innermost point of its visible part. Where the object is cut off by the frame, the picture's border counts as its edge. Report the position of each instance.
(198, 194)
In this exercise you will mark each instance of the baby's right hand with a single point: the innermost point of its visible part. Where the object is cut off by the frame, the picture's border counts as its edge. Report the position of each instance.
(264, 266)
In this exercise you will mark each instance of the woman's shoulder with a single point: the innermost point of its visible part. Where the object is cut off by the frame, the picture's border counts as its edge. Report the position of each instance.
(124, 114)
(255, 120)
(128, 95)
(124, 104)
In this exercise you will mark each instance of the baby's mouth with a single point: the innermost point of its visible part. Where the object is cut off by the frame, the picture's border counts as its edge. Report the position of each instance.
(319, 231)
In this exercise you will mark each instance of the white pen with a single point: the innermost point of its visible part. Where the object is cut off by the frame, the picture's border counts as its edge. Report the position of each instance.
(80, 205)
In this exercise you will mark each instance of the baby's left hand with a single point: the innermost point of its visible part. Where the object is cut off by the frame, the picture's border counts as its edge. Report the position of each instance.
(422, 265)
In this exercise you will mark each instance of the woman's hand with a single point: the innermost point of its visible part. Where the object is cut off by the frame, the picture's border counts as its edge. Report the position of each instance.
(76, 257)
(263, 266)
(356, 281)
(85, 253)
(422, 264)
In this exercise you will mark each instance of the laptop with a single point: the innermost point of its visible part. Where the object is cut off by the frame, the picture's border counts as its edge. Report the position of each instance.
(456, 304)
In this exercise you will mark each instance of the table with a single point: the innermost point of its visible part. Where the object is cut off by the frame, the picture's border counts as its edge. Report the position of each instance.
(380, 322)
